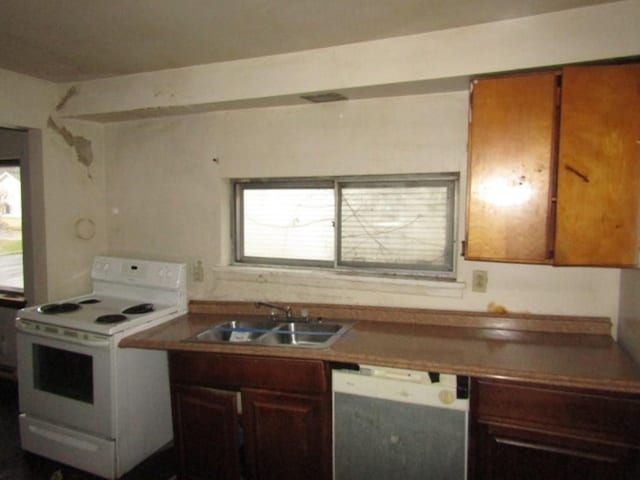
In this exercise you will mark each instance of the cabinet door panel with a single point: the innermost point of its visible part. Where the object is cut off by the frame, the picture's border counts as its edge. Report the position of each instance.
(520, 454)
(287, 435)
(512, 138)
(229, 371)
(599, 166)
(206, 429)
(614, 416)
(525, 431)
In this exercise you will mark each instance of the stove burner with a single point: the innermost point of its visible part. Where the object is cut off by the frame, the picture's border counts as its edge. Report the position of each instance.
(112, 318)
(89, 301)
(138, 309)
(53, 308)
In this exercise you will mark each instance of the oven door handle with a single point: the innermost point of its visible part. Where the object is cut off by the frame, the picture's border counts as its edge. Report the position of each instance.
(63, 334)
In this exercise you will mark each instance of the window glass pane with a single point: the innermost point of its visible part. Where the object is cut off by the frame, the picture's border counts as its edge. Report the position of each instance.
(11, 275)
(395, 224)
(289, 223)
(404, 226)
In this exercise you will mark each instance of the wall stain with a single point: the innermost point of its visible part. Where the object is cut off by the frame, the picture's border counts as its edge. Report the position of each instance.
(82, 145)
(70, 93)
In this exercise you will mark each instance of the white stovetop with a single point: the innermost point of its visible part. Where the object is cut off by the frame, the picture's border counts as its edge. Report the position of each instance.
(84, 318)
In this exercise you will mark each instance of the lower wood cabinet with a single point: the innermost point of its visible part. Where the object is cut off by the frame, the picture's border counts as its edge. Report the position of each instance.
(263, 418)
(525, 431)
(287, 435)
(240, 417)
(207, 430)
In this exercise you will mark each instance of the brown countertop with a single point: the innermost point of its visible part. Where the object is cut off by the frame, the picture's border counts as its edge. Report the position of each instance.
(521, 347)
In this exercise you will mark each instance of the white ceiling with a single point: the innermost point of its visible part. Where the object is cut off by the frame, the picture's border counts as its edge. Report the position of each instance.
(73, 40)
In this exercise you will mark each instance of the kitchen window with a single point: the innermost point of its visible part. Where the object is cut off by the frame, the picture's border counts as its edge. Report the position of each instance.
(11, 272)
(399, 225)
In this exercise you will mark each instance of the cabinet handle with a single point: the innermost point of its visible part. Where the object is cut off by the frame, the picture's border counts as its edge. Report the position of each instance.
(549, 448)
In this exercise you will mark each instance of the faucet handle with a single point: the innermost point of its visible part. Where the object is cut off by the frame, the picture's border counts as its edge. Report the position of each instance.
(275, 308)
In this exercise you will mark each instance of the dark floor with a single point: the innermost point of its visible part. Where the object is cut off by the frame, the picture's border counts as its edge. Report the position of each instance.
(15, 464)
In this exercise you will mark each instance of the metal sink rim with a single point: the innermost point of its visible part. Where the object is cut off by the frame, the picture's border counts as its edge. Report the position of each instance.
(318, 334)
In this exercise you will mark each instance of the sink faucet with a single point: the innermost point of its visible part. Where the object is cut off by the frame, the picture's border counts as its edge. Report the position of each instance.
(286, 310)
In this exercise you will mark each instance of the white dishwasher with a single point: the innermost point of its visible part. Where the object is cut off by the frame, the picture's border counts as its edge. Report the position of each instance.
(399, 424)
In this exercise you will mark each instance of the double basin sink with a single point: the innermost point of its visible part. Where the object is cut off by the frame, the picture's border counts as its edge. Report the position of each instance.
(293, 332)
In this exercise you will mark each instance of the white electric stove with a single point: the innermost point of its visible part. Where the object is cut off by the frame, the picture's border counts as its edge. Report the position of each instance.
(84, 401)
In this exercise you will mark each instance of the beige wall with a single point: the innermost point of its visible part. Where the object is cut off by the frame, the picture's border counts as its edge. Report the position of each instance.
(153, 190)
(629, 332)
(415, 63)
(168, 199)
(63, 189)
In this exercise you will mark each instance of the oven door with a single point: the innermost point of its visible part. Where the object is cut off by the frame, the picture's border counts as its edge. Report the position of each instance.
(66, 383)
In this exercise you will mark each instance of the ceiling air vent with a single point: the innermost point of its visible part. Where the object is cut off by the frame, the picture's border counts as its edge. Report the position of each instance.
(324, 97)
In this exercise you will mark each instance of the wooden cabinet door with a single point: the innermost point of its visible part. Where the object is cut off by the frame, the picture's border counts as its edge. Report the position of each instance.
(512, 144)
(525, 431)
(206, 433)
(288, 436)
(514, 453)
(599, 166)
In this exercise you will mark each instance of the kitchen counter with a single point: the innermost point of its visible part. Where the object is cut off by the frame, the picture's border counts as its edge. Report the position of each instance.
(554, 350)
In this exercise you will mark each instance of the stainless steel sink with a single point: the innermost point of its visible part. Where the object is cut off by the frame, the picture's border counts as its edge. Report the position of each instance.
(266, 332)
(310, 335)
(235, 331)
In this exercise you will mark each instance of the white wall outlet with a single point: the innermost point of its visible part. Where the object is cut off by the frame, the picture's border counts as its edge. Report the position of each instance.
(479, 281)
(197, 271)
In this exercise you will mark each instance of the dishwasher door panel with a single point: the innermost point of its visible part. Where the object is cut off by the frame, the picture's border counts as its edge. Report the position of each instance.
(397, 440)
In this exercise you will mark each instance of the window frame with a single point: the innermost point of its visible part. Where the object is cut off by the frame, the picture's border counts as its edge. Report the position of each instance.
(445, 270)
(238, 219)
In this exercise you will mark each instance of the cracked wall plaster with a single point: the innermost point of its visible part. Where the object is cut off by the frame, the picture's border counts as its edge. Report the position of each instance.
(70, 93)
(82, 145)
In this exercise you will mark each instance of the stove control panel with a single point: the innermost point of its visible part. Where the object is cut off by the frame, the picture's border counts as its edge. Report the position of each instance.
(139, 272)
(61, 333)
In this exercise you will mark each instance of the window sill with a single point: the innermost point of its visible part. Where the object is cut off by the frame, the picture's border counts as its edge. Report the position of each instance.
(8, 373)
(335, 280)
(12, 300)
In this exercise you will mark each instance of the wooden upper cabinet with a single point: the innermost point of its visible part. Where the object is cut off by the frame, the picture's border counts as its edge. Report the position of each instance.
(599, 166)
(512, 145)
(528, 148)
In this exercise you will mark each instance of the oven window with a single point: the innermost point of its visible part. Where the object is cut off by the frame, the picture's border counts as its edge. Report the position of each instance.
(64, 373)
